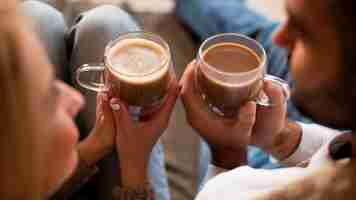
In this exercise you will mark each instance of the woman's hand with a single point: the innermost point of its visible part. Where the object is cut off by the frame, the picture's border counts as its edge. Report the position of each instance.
(101, 139)
(135, 140)
(227, 138)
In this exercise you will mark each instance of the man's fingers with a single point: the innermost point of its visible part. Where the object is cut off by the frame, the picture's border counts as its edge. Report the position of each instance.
(187, 83)
(192, 102)
(275, 93)
(188, 75)
(247, 116)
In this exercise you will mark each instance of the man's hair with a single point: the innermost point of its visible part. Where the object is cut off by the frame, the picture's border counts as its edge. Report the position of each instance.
(343, 18)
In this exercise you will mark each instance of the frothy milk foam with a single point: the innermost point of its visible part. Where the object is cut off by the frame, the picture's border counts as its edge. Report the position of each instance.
(138, 61)
(248, 79)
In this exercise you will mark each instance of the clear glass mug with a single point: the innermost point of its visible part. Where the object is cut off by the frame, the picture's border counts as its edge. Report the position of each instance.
(225, 92)
(144, 93)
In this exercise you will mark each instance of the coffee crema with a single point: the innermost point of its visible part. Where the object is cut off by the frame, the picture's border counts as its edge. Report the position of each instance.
(229, 60)
(138, 71)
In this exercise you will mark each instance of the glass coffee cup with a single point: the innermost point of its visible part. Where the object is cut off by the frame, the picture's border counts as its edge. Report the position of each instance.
(137, 69)
(231, 70)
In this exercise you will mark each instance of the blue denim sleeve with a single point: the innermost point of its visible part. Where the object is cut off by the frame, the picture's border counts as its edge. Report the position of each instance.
(207, 18)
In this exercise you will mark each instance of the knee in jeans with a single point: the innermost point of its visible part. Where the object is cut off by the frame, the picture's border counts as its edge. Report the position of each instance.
(42, 13)
(107, 19)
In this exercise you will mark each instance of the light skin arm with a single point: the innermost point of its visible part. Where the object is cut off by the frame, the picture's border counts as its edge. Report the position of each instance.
(101, 139)
(114, 128)
(135, 140)
(99, 143)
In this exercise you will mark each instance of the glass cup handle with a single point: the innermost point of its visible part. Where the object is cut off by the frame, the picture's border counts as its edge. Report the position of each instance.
(97, 85)
(263, 99)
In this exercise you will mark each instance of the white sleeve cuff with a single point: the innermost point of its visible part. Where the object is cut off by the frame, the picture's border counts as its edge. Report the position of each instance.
(313, 138)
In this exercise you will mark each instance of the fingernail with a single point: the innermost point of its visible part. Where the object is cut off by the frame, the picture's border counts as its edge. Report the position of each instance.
(115, 107)
(340, 150)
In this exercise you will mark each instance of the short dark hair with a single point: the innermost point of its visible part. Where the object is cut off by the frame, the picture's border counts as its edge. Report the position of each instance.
(343, 17)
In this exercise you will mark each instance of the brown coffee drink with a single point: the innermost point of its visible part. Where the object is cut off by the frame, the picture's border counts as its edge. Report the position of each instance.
(138, 72)
(228, 60)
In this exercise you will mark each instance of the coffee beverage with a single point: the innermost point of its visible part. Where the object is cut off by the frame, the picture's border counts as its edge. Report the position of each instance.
(137, 69)
(138, 72)
(231, 58)
(222, 62)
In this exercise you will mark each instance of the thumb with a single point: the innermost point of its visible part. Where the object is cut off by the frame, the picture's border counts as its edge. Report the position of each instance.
(120, 113)
(275, 93)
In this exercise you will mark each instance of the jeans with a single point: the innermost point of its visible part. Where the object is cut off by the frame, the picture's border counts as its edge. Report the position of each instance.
(83, 43)
(207, 18)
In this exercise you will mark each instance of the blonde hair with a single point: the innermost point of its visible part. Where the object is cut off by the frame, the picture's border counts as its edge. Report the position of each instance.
(20, 135)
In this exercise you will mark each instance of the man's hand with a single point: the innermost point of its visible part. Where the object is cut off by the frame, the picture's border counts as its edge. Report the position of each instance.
(272, 131)
(227, 138)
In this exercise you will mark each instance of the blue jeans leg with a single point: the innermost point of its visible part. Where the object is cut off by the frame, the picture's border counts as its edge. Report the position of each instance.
(50, 27)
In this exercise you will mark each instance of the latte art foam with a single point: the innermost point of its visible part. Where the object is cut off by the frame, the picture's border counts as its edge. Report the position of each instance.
(138, 71)
(138, 60)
